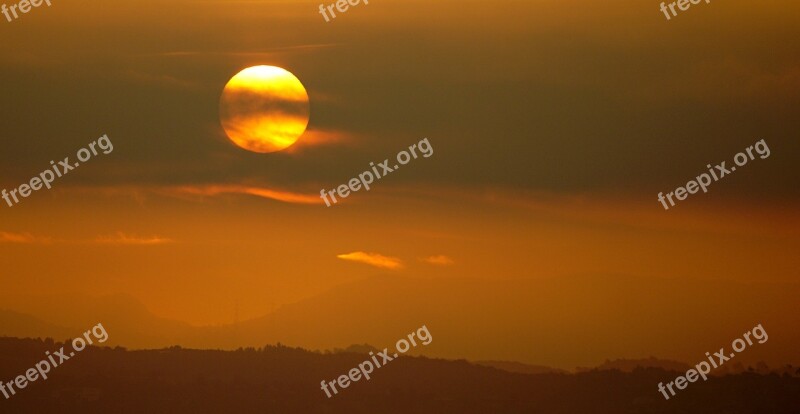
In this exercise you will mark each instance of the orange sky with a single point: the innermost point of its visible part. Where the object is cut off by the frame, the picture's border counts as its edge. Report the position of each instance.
(193, 259)
(554, 126)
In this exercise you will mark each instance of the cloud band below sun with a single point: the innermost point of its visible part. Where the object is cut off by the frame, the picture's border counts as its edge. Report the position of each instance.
(279, 195)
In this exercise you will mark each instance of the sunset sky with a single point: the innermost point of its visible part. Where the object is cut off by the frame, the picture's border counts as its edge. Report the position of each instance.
(554, 125)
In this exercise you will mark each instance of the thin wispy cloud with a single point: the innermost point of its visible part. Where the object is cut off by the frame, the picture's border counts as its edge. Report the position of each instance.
(118, 238)
(122, 238)
(21, 238)
(316, 138)
(273, 194)
(439, 260)
(373, 259)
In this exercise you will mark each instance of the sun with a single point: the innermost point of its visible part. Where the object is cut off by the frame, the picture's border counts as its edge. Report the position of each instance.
(264, 109)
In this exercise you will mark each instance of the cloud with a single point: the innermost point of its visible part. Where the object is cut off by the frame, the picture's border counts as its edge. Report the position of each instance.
(439, 260)
(26, 238)
(316, 137)
(119, 238)
(122, 238)
(279, 195)
(373, 259)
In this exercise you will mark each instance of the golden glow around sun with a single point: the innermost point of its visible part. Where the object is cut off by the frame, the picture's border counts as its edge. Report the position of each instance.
(264, 109)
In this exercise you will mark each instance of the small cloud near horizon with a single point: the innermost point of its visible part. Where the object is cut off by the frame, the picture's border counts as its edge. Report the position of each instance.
(122, 238)
(26, 238)
(439, 260)
(373, 259)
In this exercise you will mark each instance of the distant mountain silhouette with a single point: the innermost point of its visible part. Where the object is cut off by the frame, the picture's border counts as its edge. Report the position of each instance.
(519, 367)
(357, 349)
(559, 322)
(629, 365)
(564, 322)
(131, 323)
(20, 325)
(278, 379)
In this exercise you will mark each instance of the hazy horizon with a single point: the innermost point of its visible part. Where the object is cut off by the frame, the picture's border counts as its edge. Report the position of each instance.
(530, 225)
